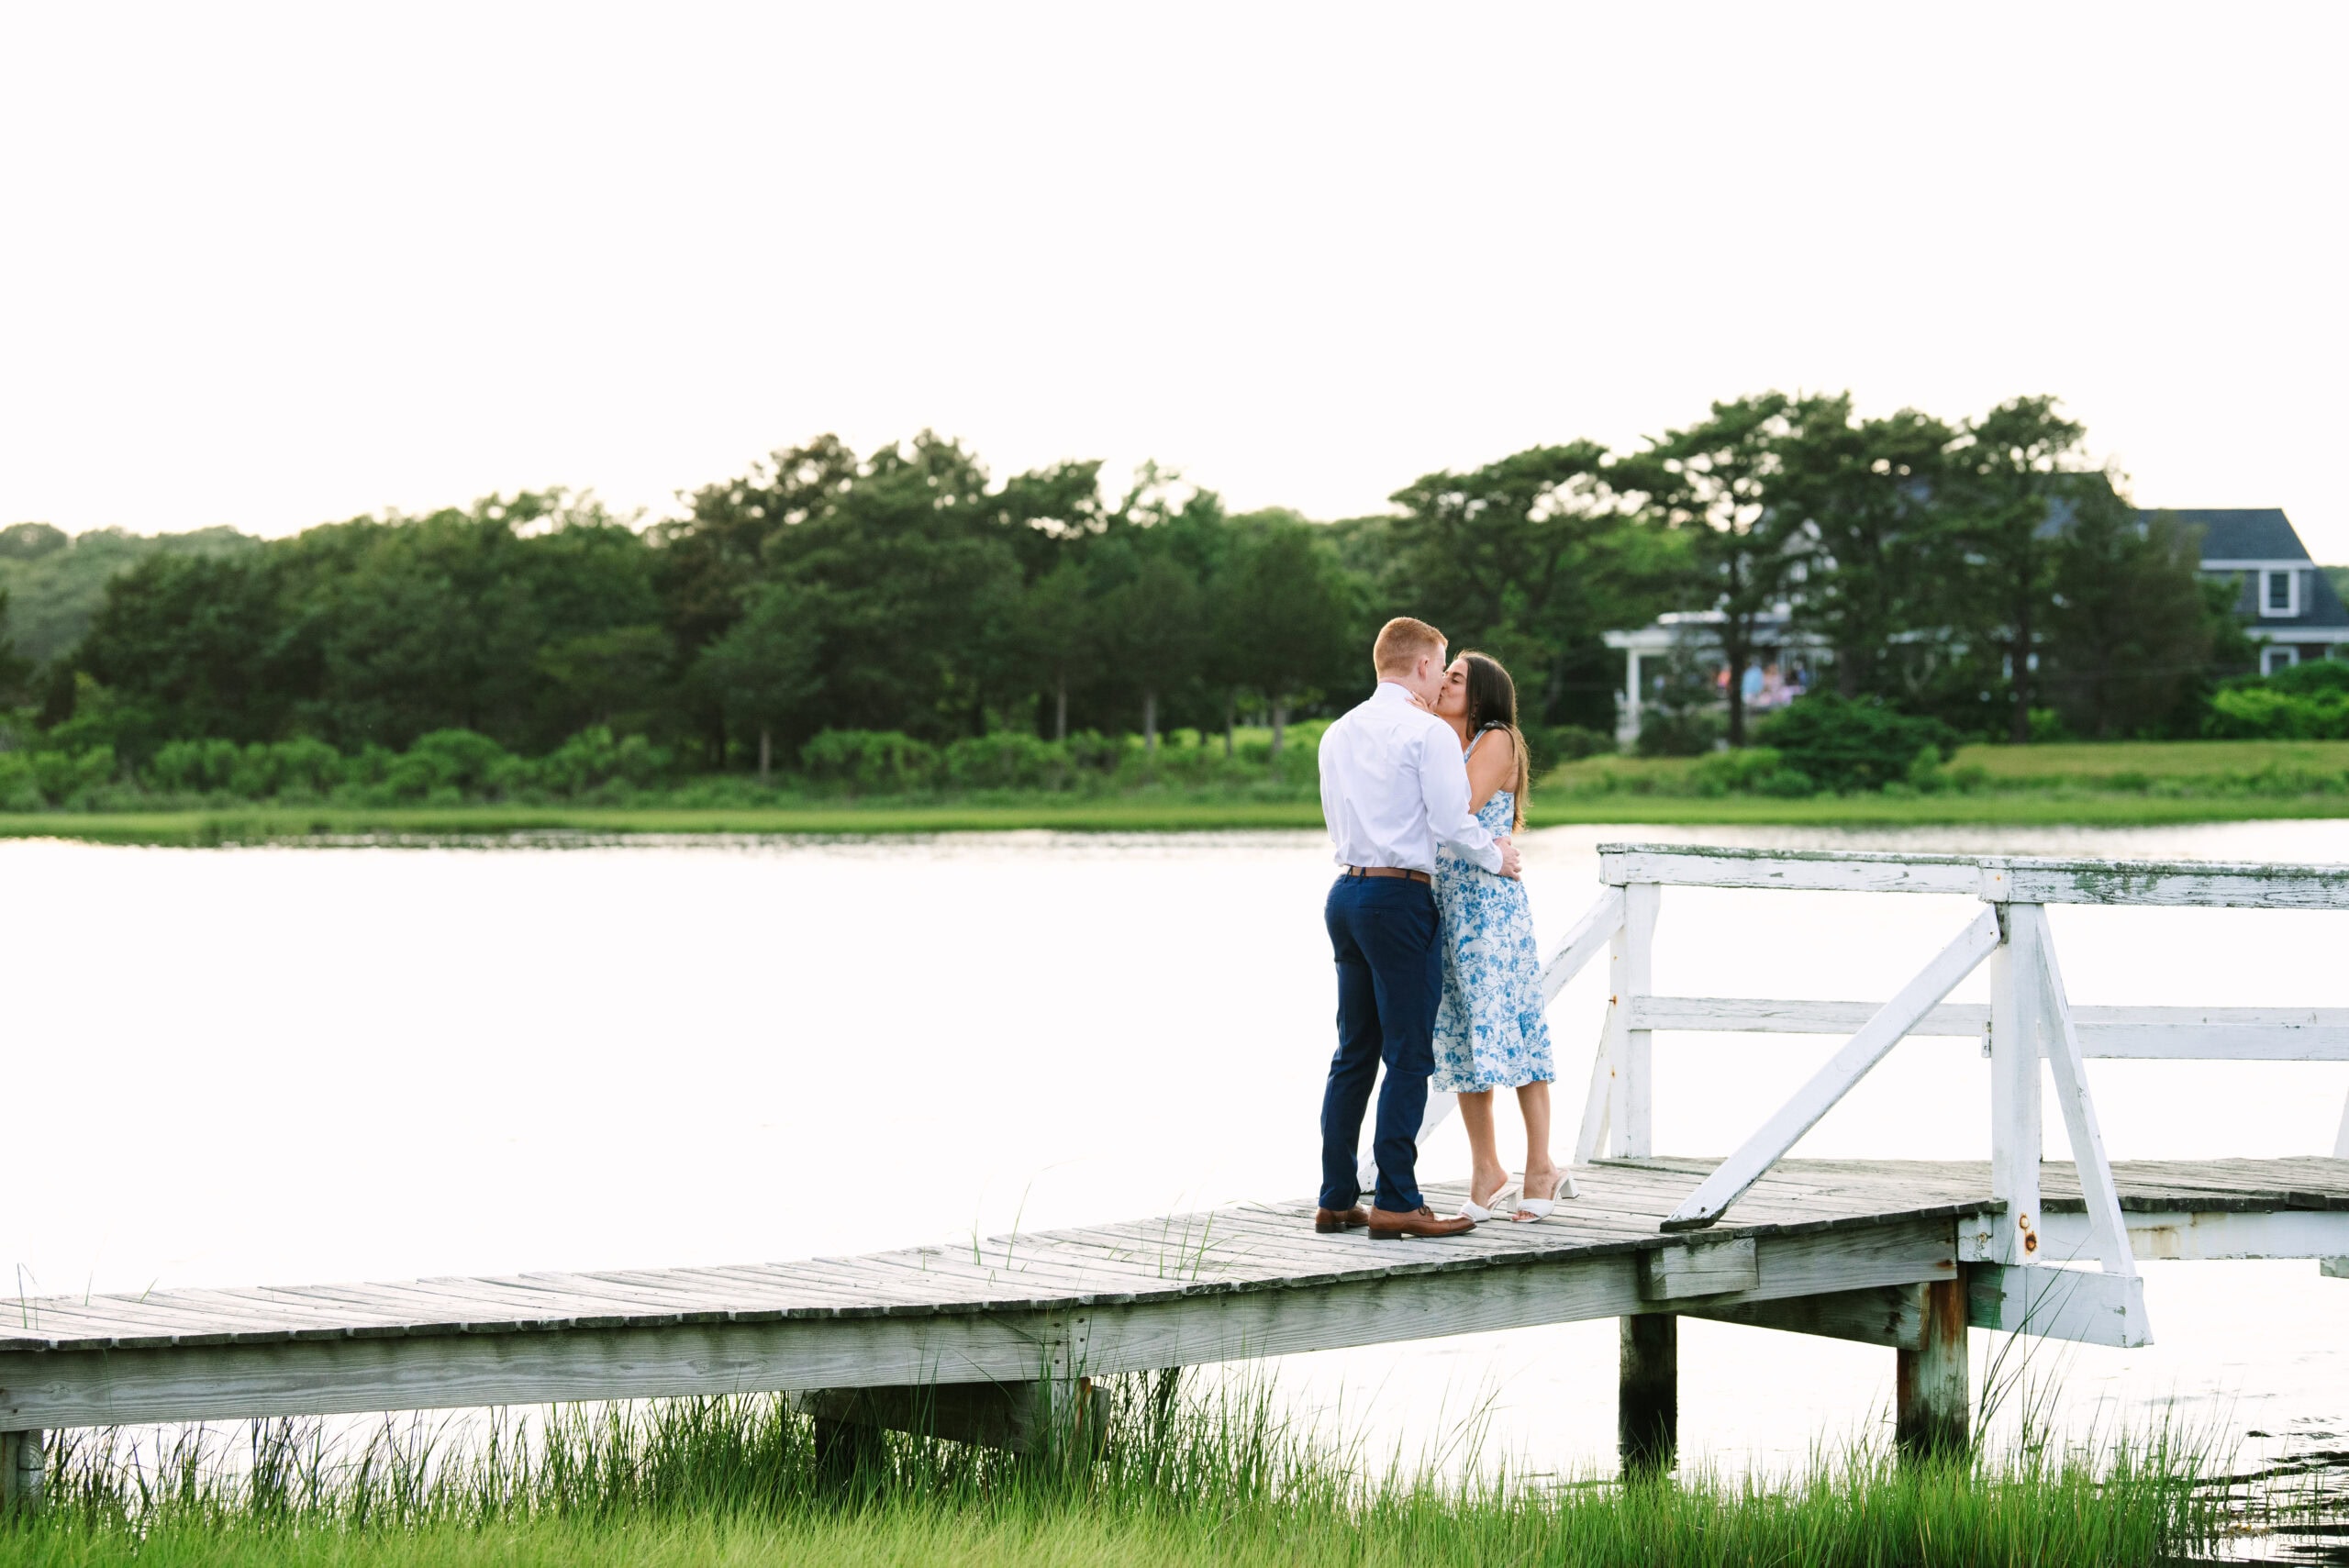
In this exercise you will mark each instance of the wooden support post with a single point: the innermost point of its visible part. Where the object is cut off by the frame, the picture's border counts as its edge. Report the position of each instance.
(848, 1454)
(23, 1471)
(1647, 1401)
(1933, 1395)
(2015, 979)
(1024, 1418)
(1631, 1111)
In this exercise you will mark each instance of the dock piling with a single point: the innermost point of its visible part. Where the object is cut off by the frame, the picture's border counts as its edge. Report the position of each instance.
(1647, 1406)
(23, 1470)
(1932, 1389)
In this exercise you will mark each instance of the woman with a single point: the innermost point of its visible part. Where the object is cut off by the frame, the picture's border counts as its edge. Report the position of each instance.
(1491, 1032)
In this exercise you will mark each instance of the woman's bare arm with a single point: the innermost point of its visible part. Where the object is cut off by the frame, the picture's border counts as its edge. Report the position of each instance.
(1491, 767)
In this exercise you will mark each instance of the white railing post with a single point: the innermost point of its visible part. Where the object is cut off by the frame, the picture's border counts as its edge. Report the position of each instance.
(1631, 1110)
(2014, 1085)
(2061, 1041)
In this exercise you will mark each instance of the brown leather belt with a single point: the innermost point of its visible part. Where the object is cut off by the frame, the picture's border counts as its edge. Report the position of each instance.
(1387, 870)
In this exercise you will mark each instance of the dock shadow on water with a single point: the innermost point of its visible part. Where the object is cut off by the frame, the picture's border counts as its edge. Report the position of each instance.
(1169, 1470)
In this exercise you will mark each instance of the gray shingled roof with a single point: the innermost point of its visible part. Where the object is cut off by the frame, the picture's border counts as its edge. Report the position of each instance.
(2242, 533)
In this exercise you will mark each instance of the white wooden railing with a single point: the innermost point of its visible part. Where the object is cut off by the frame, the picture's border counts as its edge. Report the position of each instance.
(2030, 1019)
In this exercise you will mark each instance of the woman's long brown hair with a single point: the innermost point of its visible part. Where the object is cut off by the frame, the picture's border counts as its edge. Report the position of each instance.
(1492, 704)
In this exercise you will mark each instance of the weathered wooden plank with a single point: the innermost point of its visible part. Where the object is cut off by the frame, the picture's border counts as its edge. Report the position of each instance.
(2207, 1234)
(1462, 1295)
(1993, 878)
(1631, 1052)
(2086, 1305)
(2194, 884)
(1834, 1080)
(2015, 1115)
(1036, 1278)
(1715, 1268)
(1890, 1315)
(1814, 870)
(2152, 1034)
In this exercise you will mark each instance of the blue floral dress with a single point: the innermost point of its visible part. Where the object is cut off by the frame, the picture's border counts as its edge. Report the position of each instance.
(1489, 1029)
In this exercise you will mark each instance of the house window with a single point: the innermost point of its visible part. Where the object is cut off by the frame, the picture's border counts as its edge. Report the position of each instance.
(2274, 659)
(2282, 593)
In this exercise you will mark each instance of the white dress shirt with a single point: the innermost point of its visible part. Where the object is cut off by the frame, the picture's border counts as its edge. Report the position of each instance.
(1394, 784)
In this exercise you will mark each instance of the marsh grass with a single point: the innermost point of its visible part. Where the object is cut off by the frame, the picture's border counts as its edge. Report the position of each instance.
(1188, 1476)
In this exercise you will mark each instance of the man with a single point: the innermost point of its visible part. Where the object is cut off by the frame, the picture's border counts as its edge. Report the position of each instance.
(1393, 785)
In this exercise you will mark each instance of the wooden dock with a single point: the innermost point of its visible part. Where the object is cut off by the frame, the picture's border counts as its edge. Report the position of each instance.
(977, 1339)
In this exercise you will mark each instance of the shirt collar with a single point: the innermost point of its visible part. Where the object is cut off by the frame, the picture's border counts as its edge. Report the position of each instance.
(1391, 690)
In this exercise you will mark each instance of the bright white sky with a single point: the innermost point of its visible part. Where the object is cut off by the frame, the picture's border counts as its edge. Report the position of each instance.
(275, 267)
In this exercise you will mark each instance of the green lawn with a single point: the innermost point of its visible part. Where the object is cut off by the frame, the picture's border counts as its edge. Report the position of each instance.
(2127, 784)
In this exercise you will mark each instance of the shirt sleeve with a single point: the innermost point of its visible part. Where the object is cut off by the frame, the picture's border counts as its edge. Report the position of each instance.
(1443, 784)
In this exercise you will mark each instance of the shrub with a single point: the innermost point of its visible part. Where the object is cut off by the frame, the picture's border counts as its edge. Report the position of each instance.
(447, 766)
(1680, 732)
(1548, 745)
(1841, 743)
(2263, 712)
(2316, 676)
(869, 761)
(1091, 748)
(1005, 760)
(194, 767)
(592, 761)
(62, 775)
(19, 785)
(304, 766)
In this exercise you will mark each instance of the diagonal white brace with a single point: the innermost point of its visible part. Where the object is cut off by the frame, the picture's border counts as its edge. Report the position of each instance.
(1832, 1082)
(2109, 1233)
(1582, 944)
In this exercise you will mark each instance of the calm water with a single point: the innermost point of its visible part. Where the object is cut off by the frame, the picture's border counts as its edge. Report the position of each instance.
(237, 1066)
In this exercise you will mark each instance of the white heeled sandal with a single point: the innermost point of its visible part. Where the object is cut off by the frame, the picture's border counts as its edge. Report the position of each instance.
(1533, 1210)
(1479, 1212)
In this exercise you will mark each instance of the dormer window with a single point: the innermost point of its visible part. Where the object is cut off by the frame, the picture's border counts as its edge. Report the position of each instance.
(2280, 593)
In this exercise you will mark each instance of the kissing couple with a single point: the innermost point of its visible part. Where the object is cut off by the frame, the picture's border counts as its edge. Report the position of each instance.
(1422, 787)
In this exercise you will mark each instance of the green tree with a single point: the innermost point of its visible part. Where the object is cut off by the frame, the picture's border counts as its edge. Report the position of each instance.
(197, 645)
(1152, 630)
(1061, 617)
(2128, 629)
(1715, 481)
(920, 580)
(1862, 501)
(56, 583)
(1285, 618)
(765, 669)
(707, 563)
(16, 671)
(2015, 478)
(1524, 558)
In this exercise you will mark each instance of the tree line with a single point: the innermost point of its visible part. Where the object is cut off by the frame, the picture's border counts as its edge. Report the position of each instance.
(1976, 571)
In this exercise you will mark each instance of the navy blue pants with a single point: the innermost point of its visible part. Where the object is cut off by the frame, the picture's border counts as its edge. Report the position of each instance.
(1390, 977)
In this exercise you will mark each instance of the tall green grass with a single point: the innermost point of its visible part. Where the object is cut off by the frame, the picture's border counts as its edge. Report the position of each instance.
(1220, 1476)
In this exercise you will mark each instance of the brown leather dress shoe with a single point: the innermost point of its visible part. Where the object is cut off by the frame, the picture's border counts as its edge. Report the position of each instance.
(1328, 1219)
(1390, 1225)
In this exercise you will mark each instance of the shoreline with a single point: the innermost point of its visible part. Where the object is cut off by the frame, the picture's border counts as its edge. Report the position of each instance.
(206, 827)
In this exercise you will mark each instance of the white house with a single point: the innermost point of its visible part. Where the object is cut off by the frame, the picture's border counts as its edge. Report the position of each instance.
(2289, 606)
(2288, 603)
